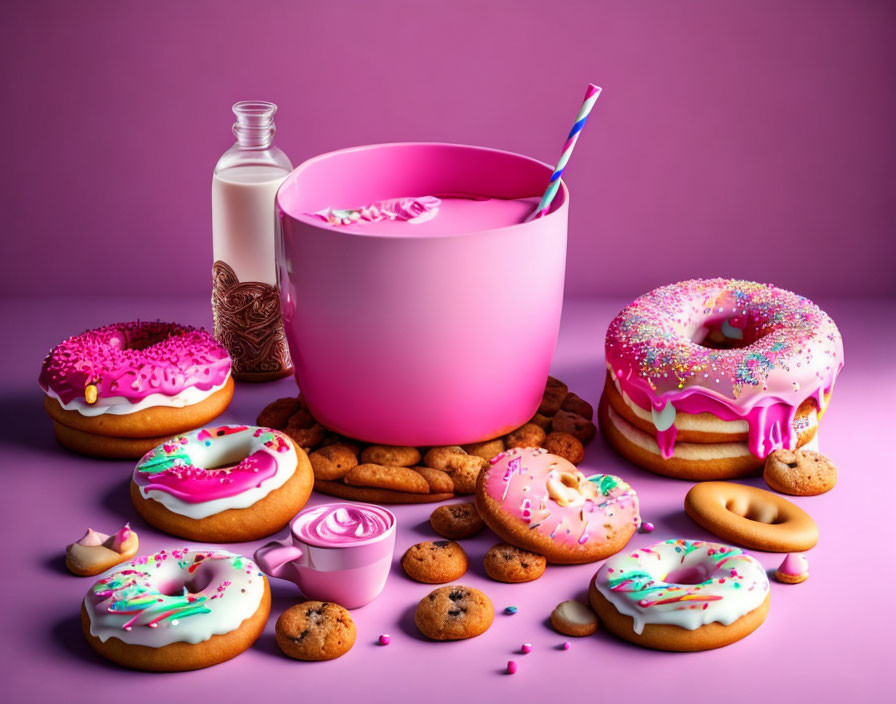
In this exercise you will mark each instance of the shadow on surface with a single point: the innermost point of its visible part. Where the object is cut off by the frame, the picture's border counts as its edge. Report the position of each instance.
(56, 563)
(25, 422)
(67, 637)
(118, 501)
(407, 625)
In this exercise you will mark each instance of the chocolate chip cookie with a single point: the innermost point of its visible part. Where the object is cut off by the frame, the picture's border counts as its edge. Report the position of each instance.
(315, 630)
(567, 446)
(799, 472)
(456, 521)
(435, 562)
(454, 612)
(507, 563)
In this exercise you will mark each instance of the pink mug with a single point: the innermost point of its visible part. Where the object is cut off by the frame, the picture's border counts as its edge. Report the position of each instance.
(420, 340)
(340, 552)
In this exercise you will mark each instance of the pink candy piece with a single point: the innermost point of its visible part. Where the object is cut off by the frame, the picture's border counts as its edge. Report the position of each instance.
(526, 648)
(566, 645)
(385, 639)
(511, 667)
(647, 527)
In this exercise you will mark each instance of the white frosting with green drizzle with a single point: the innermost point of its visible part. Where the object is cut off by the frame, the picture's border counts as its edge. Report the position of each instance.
(186, 595)
(729, 584)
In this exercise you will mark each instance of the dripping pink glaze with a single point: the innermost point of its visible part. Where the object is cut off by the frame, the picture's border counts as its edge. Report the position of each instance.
(517, 479)
(795, 354)
(193, 484)
(795, 565)
(341, 524)
(134, 360)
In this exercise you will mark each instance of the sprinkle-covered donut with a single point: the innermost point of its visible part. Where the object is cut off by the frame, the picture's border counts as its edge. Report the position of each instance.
(540, 502)
(681, 595)
(228, 483)
(177, 610)
(119, 390)
(746, 368)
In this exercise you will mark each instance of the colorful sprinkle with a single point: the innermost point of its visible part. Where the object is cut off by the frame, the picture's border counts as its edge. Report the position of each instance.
(511, 667)
(385, 639)
(510, 610)
(526, 648)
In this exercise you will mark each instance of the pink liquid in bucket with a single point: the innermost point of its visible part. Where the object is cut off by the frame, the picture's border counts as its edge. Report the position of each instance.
(432, 333)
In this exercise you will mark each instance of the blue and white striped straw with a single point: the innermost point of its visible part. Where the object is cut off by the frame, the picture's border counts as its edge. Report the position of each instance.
(591, 96)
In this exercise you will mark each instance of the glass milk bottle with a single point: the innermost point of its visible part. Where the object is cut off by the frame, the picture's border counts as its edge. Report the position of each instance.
(245, 300)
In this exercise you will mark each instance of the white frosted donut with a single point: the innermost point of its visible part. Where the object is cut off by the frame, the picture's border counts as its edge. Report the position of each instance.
(176, 610)
(662, 595)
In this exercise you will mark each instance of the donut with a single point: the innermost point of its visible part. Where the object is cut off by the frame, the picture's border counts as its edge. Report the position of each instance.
(229, 483)
(120, 390)
(540, 502)
(681, 595)
(707, 377)
(751, 517)
(178, 610)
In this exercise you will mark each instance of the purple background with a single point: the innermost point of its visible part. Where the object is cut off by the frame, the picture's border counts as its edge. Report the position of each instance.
(750, 138)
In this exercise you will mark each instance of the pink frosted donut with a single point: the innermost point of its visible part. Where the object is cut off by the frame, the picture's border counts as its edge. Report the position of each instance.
(130, 362)
(119, 390)
(542, 503)
(750, 355)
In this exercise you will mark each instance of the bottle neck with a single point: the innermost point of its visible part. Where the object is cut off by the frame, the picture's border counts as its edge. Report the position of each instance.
(254, 127)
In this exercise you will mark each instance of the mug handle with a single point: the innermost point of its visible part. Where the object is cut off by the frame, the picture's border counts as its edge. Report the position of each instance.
(275, 558)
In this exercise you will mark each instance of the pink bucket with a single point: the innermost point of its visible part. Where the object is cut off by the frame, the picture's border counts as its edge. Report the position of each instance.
(420, 340)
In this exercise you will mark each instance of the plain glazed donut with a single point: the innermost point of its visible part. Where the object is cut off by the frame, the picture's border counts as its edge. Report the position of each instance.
(178, 610)
(116, 391)
(718, 361)
(681, 595)
(229, 483)
(541, 503)
(751, 517)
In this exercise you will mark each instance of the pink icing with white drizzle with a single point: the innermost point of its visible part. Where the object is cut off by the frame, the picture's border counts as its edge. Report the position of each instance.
(413, 210)
(171, 469)
(134, 360)
(785, 350)
(549, 495)
(341, 524)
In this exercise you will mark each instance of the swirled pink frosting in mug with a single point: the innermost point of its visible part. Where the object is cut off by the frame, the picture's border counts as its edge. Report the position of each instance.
(341, 524)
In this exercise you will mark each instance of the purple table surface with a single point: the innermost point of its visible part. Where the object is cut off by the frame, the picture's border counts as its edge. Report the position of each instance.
(827, 639)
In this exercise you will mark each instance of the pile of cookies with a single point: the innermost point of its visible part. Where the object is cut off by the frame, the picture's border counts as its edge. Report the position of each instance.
(387, 474)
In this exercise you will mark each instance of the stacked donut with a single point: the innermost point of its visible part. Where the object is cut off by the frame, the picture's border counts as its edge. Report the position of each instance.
(120, 390)
(706, 378)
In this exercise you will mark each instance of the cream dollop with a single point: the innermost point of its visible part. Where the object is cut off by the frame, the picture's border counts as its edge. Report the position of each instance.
(339, 524)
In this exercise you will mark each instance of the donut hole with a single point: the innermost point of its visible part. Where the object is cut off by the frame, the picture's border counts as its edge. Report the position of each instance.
(725, 333)
(140, 340)
(694, 574)
(761, 513)
(229, 457)
(193, 585)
